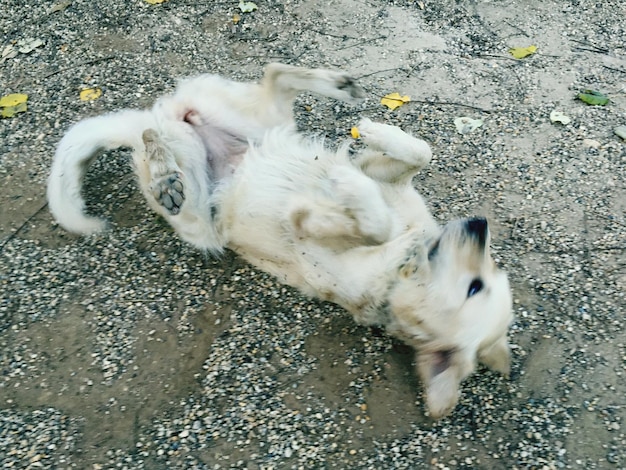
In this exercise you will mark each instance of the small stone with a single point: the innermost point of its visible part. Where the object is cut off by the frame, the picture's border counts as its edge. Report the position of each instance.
(590, 143)
(621, 132)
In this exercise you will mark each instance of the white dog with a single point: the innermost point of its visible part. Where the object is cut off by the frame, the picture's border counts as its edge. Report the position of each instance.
(222, 162)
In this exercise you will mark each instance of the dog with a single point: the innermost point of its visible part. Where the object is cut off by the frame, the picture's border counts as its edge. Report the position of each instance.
(223, 163)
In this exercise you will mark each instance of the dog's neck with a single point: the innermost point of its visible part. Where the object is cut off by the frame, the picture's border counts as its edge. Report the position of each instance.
(374, 272)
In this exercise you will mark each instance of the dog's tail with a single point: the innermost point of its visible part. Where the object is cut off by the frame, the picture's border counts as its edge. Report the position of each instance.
(75, 152)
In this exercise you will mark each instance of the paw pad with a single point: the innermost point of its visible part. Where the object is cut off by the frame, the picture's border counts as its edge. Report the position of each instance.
(168, 192)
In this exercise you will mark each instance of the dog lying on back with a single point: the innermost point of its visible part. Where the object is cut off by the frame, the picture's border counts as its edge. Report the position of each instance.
(222, 162)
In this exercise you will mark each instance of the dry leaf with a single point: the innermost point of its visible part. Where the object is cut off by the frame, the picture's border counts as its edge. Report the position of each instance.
(394, 100)
(236, 18)
(247, 7)
(12, 104)
(465, 124)
(28, 45)
(521, 52)
(558, 116)
(60, 6)
(8, 53)
(90, 94)
(155, 2)
(355, 132)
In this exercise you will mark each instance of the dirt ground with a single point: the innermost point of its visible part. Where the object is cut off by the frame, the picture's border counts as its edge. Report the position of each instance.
(132, 350)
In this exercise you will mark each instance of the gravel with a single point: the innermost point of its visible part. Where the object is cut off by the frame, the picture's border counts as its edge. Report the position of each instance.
(131, 350)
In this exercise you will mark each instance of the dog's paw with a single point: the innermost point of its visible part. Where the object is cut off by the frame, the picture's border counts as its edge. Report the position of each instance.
(352, 91)
(168, 191)
(395, 143)
(378, 135)
(442, 394)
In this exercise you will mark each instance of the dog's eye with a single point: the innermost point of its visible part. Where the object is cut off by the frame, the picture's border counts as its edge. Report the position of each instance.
(475, 287)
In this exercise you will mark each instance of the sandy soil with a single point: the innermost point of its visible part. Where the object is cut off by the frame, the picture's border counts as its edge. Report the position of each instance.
(132, 350)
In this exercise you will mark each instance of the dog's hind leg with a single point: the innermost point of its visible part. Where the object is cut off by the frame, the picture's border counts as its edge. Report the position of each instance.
(282, 83)
(178, 188)
(391, 155)
(166, 184)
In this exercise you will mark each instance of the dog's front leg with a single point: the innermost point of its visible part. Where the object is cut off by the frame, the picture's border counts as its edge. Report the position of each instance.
(392, 155)
(497, 356)
(361, 197)
(441, 373)
(356, 212)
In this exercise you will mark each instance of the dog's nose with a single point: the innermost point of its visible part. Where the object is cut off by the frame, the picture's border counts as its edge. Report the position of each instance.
(477, 228)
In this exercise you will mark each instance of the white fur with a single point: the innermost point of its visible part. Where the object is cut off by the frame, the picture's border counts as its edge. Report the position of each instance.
(348, 229)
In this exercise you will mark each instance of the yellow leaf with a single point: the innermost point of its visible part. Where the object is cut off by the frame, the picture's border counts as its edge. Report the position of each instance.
(90, 94)
(521, 52)
(355, 132)
(13, 99)
(236, 18)
(10, 111)
(394, 100)
(155, 2)
(13, 104)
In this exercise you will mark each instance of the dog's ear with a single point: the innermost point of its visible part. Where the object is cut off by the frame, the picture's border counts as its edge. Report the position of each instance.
(478, 230)
(441, 372)
(497, 356)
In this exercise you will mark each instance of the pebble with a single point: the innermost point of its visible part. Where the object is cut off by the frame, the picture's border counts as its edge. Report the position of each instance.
(591, 143)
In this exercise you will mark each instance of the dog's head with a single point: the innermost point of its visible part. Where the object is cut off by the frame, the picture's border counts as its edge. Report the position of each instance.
(453, 305)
